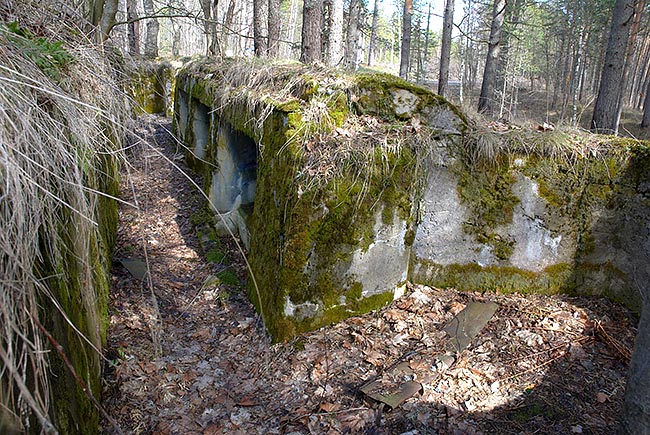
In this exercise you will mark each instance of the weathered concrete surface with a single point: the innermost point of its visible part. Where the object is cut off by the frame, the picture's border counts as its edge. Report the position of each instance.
(578, 229)
(345, 187)
(293, 167)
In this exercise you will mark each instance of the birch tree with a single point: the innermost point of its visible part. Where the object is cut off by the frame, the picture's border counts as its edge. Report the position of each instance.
(334, 46)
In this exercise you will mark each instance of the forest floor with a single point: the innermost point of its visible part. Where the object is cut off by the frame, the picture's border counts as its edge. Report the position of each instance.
(191, 356)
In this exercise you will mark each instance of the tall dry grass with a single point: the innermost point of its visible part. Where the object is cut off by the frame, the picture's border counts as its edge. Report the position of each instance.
(56, 129)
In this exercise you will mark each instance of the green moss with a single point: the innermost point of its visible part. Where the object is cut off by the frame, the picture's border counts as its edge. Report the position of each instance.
(375, 96)
(204, 216)
(68, 282)
(486, 190)
(338, 107)
(216, 256)
(501, 279)
(535, 410)
(148, 86)
(228, 277)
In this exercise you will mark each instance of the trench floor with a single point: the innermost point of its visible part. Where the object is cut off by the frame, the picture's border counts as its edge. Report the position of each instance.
(187, 353)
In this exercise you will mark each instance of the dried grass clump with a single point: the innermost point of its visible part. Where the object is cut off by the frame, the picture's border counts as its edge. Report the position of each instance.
(331, 149)
(54, 135)
(486, 141)
(261, 85)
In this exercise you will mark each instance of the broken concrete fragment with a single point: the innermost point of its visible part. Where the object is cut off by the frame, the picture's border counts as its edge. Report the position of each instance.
(468, 323)
(398, 383)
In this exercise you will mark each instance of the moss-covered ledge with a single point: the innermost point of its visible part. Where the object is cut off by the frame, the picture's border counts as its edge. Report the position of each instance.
(320, 176)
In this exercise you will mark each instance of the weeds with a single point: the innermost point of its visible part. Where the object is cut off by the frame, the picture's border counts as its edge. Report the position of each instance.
(57, 140)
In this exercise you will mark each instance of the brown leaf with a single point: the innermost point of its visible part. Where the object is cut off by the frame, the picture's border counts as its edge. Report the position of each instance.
(356, 421)
(213, 429)
(247, 401)
(202, 333)
(373, 357)
(329, 407)
(602, 397)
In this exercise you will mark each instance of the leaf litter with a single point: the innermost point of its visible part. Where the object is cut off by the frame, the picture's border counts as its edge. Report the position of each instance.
(541, 364)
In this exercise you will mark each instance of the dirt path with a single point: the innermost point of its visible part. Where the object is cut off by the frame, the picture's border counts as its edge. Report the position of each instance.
(195, 359)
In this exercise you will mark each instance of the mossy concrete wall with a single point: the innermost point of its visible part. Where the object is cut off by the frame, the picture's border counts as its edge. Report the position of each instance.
(525, 223)
(321, 247)
(334, 230)
(66, 277)
(151, 85)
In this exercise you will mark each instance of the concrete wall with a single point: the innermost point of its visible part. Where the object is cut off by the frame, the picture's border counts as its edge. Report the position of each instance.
(526, 221)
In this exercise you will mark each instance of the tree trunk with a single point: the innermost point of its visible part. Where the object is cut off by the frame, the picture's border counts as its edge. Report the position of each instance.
(406, 39)
(259, 27)
(133, 27)
(607, 111)
(311, 31)
(373, 32)
(634, 31)
(151, 35)
(352, 35)
(274, 28)
(645, 122)
(230, 14)
(176, 40)
(334, 47)
(426, 46)
(486, 100)
(107, 20)
(445, 48)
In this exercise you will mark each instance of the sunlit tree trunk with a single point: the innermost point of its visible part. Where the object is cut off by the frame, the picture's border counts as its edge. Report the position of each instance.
(260, 21)
(445, 48)
(311, 31)
(607, 111)
(406, 39)
(486, 100)
(107, 18)
(645, 122)
(227, 26)
(274, 28)
(334, 46)
(373, 32)
(425, 60)
(151, 35)
(352, 35)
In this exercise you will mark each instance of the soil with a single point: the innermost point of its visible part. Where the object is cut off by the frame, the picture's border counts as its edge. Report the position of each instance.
(188, 354)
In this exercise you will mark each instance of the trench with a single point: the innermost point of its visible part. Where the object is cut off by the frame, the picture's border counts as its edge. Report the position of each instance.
(189, 354)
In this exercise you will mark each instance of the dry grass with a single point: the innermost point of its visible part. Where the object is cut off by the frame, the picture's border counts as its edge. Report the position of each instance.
(52, 137)
(488, 140)
(330, 150)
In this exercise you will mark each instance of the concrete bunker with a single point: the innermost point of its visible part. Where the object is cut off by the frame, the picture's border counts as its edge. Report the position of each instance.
(234, 179)
(226, 157)
(338, 207)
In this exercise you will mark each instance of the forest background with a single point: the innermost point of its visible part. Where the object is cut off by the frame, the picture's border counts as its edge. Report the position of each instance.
(517, 59)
